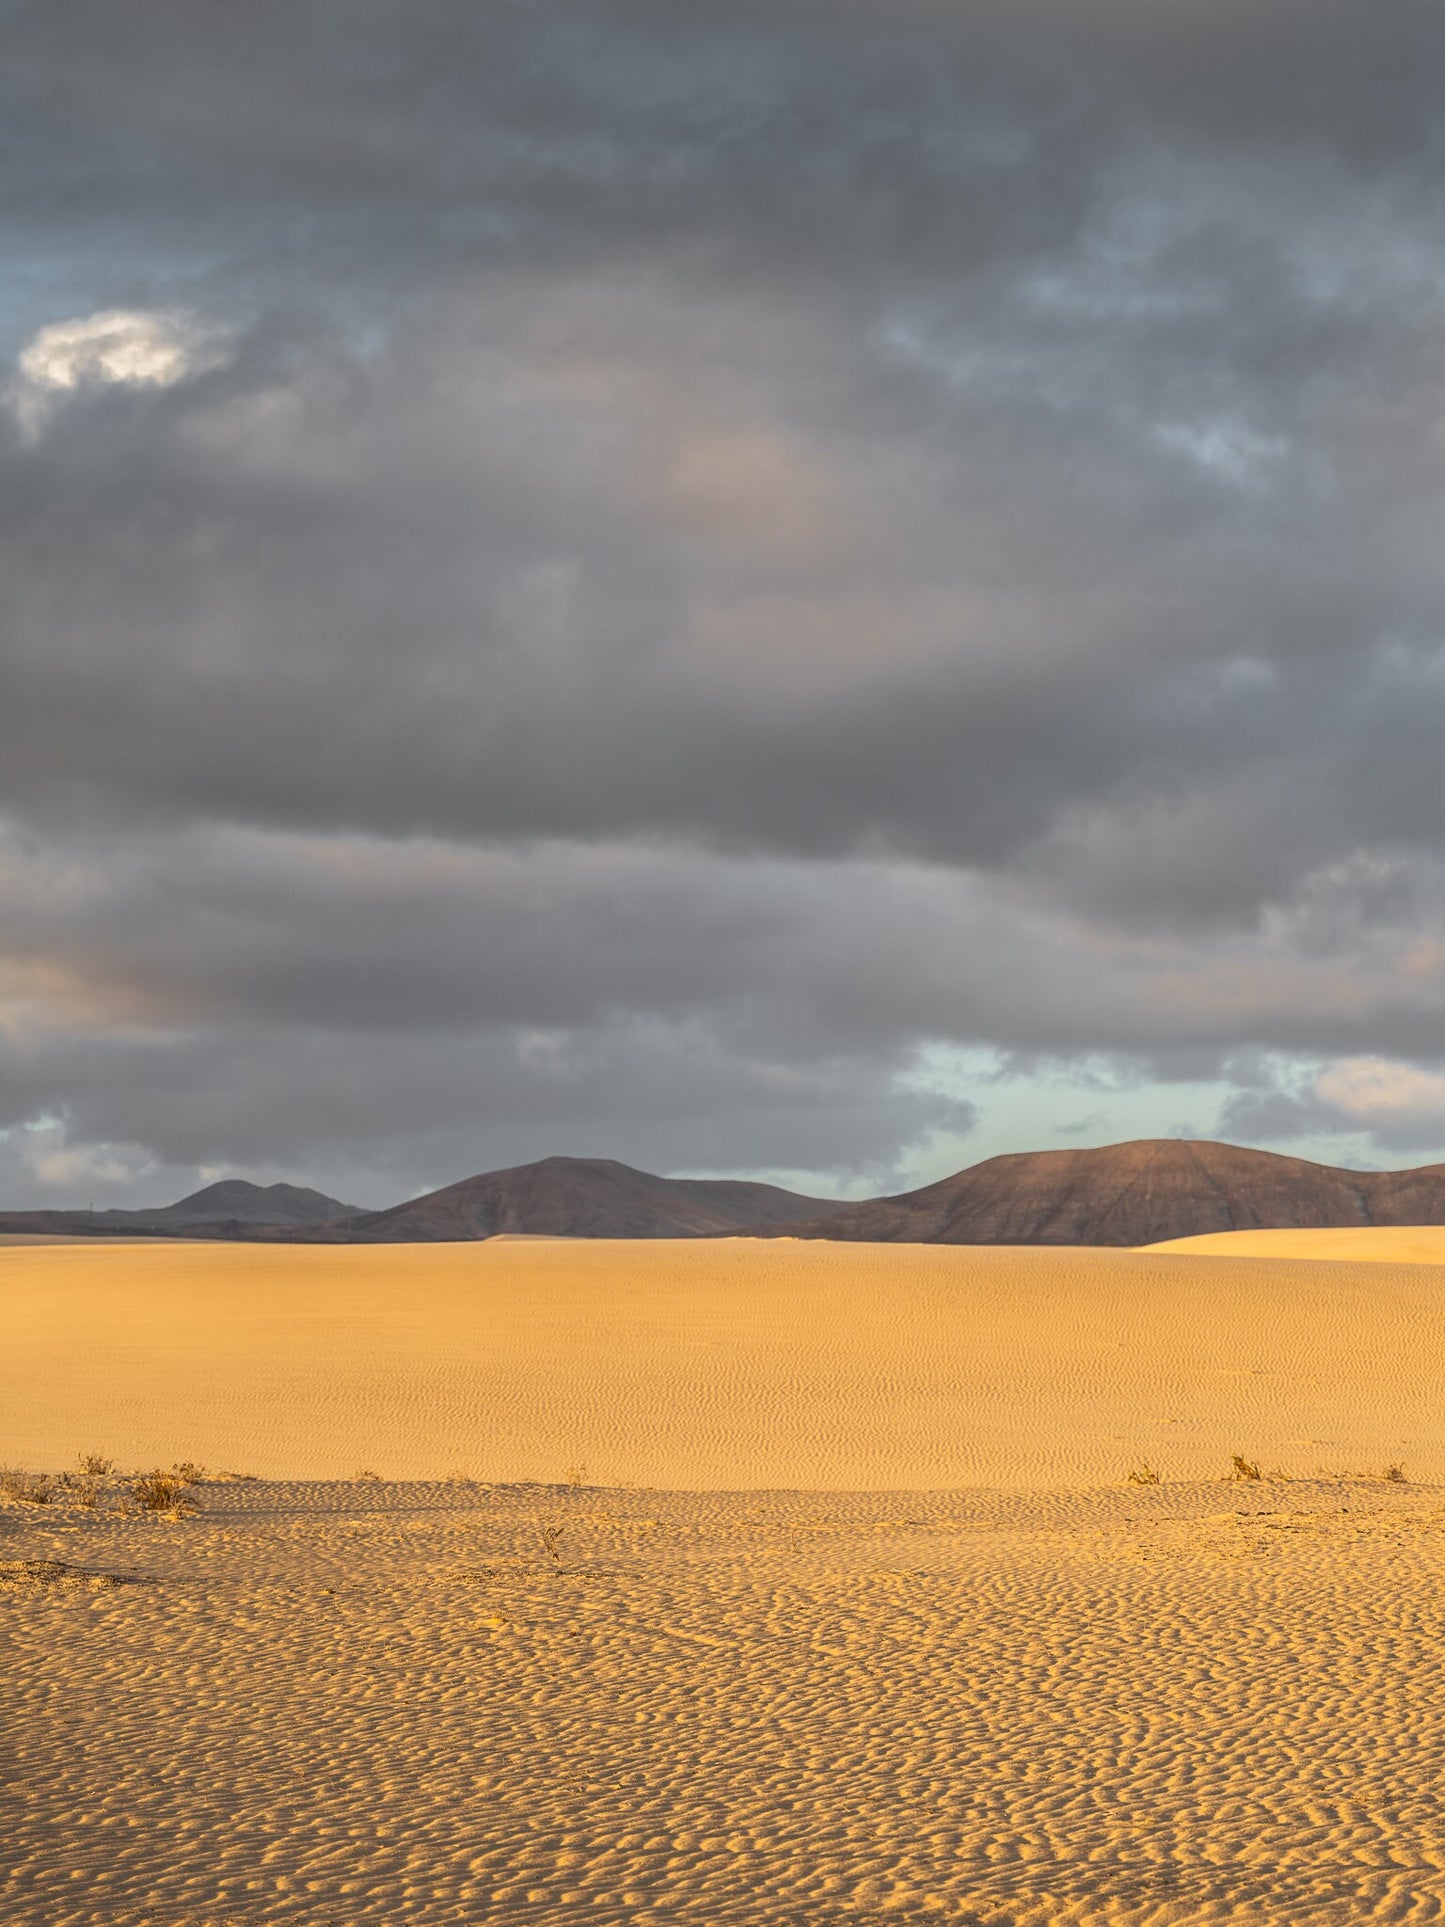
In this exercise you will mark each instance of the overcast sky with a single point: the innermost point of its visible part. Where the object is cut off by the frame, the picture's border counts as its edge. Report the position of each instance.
(809, 589)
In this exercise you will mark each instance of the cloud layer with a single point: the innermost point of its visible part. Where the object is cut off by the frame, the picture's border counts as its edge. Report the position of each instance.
(610, 577)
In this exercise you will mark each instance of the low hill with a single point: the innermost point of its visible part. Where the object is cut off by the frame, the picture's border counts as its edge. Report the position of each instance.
(580, 1198)
(235, 1200)
(227, 1208)
(1134, 1194)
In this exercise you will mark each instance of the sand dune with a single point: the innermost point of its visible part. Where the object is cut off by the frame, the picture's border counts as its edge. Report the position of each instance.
(971, 1675)
(727, 1365)
(1413, 1244)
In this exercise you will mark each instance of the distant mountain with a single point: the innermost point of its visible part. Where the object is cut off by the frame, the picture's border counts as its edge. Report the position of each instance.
(1122, 1194)
(579, 1198)
(235, 1200)
(226, 1208)
(1133, 1194)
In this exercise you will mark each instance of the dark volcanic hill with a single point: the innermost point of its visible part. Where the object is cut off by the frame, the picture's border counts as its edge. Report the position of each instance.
(1134, 1194)
(234, 1200)
(1121, 1194)
(580, 1198)
(226, 1208)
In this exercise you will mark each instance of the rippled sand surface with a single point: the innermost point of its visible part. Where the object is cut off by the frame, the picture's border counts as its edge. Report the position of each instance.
(847, 1612)
(718, 1365)
(333, 1704)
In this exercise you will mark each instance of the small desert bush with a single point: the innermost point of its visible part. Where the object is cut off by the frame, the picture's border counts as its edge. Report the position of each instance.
(365, 1477)
(159, 1491)
(1396, 1475)
(1244, 1469)
(1144, 1475)
(95, 1464)
(30, 1488)
(188, 1472)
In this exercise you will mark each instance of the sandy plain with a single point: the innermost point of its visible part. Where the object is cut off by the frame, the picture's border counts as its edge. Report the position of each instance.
(786, 1584)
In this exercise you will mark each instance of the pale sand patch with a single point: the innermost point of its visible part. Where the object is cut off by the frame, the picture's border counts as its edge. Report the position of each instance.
(1410, 1244)
(741, 1363)
(328, 1705)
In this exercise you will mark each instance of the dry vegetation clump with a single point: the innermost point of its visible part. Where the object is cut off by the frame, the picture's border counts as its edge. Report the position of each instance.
(95, 1464)
(1396, 1475)
(27, 1488)
(549, 1536)
(1245, 1469)
(188, 1472)
(162, 1492)
(1144, 1475)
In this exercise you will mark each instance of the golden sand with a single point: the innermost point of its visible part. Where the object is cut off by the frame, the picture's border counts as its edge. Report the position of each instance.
(879, 1632)
(723, 1365)
(1410, 1244)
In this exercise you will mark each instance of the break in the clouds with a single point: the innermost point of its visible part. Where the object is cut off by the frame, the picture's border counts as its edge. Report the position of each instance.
(637, 579)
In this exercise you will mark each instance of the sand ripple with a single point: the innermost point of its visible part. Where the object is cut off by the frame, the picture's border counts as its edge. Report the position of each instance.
(742, 1363)
(391, 1704)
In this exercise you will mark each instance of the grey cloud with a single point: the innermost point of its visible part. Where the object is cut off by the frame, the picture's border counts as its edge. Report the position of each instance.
(817, 529)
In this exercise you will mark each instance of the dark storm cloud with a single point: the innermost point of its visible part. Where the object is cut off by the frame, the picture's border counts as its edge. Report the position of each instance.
(854, 527)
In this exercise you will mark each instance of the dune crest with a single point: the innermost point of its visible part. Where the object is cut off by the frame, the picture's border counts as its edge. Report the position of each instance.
(1411, 1244)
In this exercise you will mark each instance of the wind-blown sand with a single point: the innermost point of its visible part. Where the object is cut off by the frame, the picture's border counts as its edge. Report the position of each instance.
(1387, 1244)
(1022, 1692)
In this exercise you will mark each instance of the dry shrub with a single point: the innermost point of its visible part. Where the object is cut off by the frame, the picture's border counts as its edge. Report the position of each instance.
(1396, 1475)
(95, 1464)
(160, 1492)
(188, 1472)
(1144, 1475)
(1244, 1469)
(30, 1488)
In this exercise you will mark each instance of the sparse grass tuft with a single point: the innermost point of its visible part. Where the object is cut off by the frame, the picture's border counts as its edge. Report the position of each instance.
(1244, 1469)
(1397, 1475)
(364, 1477)
(160, 1492)
(30, 1488)
(188, 1472)
(549, 1536)
(1144, 1475)
(577, 1477)
(95, 1464)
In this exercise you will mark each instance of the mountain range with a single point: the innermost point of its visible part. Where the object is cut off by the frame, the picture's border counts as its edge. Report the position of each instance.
(1120, 1194)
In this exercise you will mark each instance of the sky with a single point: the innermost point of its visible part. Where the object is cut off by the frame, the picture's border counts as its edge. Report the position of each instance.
(820, 590)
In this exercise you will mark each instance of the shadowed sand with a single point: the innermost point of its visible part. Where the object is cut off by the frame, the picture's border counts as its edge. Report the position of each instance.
(354, 1701)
